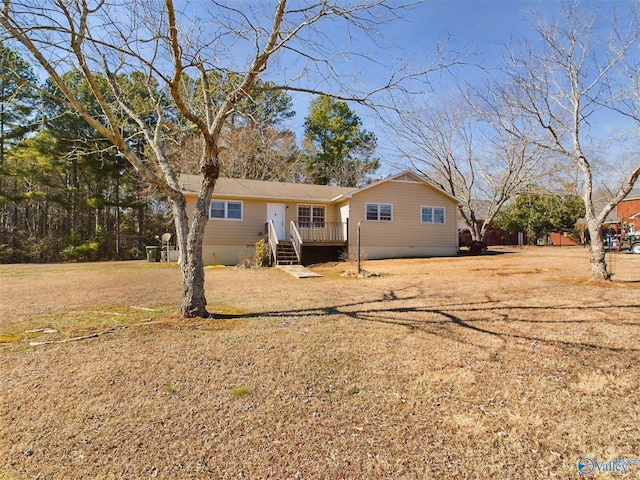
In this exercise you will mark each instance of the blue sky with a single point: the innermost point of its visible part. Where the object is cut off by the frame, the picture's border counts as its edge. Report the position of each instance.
(481, 27)
(473, 26)
(481, 24)
(478, 27)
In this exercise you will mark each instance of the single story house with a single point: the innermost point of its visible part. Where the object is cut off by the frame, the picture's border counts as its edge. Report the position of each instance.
(628, 211)
(403, 215)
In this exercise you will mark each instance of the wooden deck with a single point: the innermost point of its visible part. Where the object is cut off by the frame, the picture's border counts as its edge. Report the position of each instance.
(305, 236)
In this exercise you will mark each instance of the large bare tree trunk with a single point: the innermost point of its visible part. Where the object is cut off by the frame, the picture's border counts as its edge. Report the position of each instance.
(190, 237)
(597, 259)
(475, 230)
(476, 233)
(194, 303)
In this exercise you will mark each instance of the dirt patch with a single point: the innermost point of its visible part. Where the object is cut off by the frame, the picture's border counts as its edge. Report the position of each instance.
(440, 368)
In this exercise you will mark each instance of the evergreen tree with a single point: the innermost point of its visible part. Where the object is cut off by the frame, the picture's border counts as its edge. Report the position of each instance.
(337, 150)
(67, 195)
(17, 99)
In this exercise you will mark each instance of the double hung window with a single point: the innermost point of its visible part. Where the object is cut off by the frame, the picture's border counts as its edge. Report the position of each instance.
(225, 210)
(432, 215)
(312, 216)
(379, 212)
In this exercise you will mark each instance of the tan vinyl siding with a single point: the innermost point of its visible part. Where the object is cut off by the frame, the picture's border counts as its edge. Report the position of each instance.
(254, 217)
(406, 229)
(227, 240)
(235, 232)
(238, 232)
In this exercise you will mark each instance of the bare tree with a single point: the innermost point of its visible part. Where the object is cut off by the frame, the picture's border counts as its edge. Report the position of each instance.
(179, 52)
(461, 144)
(573, 81)
(253, 153)
(262, 154)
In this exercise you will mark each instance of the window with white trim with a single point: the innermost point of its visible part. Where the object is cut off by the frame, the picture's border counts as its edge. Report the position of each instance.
(312, 216)
(223, 210)
(379, 212)
(432, 215)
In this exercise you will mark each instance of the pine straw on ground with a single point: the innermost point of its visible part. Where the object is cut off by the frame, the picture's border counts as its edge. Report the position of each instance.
(501, 366)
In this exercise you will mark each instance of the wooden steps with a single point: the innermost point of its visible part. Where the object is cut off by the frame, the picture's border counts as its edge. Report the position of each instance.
(286, 254)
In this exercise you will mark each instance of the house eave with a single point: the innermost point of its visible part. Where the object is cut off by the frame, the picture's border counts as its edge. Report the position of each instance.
(394, 178)
(275, 199)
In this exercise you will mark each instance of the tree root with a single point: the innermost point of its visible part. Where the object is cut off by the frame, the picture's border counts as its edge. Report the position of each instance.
(92, 335)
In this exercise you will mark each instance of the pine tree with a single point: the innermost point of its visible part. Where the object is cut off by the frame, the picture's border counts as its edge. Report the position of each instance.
(337, 150)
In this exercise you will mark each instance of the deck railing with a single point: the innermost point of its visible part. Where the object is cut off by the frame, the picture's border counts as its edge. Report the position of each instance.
(321, 232)
(273, 240)
(296, 240)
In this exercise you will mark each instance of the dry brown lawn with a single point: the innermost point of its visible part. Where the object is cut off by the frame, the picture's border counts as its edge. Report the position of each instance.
(500, 366)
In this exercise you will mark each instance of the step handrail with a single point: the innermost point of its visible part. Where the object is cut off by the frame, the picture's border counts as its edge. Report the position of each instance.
(296, 240)
(272, 236)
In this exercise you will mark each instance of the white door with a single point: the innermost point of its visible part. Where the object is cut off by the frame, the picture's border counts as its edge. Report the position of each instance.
(344, 218)
(275, 213)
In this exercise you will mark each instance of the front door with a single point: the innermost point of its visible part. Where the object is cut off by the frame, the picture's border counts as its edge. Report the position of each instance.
(344, 218)
(275, 213)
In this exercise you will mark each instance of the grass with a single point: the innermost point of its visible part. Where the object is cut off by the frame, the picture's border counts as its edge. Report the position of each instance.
(239, 392)
(505, 366)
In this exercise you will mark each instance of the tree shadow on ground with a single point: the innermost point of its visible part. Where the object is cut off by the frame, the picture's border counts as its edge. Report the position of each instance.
(491, 319)
(486, 253)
